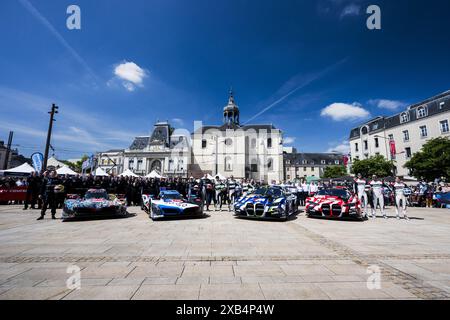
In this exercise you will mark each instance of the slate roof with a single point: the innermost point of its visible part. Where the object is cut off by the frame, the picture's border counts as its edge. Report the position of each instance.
(296, 159)
(433, 105)
(139, 143)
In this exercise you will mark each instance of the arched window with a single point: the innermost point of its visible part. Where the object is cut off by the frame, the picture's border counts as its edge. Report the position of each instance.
(269, 142)
(156, 165)
(421, 112)
(270, 164)
(364, 130)
(404, 117)
(228, 164)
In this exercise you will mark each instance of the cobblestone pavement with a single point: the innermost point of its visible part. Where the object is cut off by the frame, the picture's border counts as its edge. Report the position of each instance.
(220, 257)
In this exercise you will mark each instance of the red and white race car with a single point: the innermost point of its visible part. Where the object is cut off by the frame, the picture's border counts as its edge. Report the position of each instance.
(334, 203)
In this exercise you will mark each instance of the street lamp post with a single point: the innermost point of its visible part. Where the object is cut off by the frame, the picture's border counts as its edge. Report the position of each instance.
(49, 134)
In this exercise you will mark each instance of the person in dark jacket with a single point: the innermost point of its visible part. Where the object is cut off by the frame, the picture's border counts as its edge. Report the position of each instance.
(48, 194)
(32, 191)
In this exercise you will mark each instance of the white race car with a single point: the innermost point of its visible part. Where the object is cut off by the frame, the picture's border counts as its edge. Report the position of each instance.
(170, 203)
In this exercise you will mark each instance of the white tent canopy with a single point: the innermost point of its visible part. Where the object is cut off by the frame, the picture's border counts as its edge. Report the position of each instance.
(53, 162)
(22, 169)
(66, 170)
(154, 174)
(128, 173)
(99, 172)
(221, 176)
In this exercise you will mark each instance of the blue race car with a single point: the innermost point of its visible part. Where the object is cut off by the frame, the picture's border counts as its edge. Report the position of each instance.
(170, 203)
(271, 202)
(443, 198)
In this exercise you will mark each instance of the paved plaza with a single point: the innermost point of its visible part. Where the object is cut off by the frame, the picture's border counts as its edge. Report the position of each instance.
(220, 257)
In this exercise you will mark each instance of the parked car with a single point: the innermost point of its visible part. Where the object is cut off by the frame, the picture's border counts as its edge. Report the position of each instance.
(170, 203)
(95, 203)
(271, 202)
(335, 203)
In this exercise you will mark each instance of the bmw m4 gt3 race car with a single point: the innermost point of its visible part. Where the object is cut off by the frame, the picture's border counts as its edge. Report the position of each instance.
(266, 203)
(95, 203)
(170, 203)
(334, 204)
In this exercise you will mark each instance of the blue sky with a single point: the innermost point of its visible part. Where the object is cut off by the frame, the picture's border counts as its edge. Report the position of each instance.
(134, 62)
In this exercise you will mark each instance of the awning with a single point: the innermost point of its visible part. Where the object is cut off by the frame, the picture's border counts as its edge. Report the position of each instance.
(22, 170)
(128, 173)
(66, 170)
(221, 176)
(311, 179)
(53, 162)
(99, 172)
(154, 174)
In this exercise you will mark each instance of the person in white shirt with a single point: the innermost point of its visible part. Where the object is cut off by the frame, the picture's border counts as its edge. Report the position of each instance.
(400, 198)
(378, 196)
(312, 189)
(360, 189)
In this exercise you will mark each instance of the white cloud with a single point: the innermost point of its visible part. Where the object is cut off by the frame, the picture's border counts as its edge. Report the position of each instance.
(351, 10)
(130, 74)
(289, 140)
(343, 148)
(343, 111)
(387, 104)
(178, 121)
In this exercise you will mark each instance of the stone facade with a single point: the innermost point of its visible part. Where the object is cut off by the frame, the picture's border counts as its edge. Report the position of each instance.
(408, 130)
(303, 165)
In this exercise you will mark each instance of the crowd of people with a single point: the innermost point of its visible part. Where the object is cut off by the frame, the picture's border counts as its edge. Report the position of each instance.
(48, 191)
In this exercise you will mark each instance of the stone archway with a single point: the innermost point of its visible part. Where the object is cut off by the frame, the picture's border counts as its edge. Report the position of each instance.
(156, 165)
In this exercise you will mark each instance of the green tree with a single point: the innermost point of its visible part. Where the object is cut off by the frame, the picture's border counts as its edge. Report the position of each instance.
(377, 165)
(432, 162)
(76, 166)
(333, 172)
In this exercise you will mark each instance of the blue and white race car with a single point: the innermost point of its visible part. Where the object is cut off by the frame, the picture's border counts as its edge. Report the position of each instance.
(170, 203)
(271, 202)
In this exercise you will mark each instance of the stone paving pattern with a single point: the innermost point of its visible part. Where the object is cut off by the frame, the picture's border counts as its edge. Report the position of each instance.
(220, 257)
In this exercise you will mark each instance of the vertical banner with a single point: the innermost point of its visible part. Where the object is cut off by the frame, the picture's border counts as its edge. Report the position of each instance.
(91, 161)
(392, 148)
(38, 159)
(346, 158)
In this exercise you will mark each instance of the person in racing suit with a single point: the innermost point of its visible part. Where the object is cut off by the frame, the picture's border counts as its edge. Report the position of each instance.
(360, 188)
(400, 198)
(221, 193)
(231, 186)
(48, 194)
(208, 187)
(378, 196)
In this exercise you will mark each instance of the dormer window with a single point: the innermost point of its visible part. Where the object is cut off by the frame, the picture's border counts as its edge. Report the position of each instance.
(404, 117)
(421, 112)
